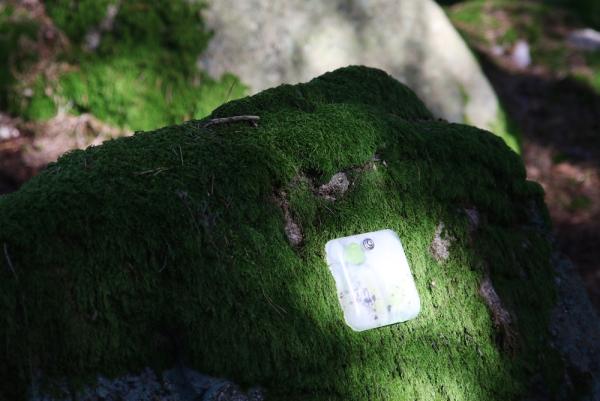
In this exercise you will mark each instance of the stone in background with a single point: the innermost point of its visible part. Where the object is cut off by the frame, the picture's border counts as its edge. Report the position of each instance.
(268, 43)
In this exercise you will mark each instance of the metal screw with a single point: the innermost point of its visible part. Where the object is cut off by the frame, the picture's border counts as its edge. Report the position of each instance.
(368, 243)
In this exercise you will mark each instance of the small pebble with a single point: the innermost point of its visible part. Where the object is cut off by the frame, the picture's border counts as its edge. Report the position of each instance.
(520, 55)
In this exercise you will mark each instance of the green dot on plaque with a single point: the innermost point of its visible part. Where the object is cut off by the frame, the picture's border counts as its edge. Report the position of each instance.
(354, 254)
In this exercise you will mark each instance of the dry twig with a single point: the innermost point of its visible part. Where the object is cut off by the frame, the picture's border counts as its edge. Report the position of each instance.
(252, 119)
(7, 256)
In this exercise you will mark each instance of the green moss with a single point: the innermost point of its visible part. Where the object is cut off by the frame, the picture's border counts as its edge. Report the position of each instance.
(592, 78)
(579, 203)
(468, 12)
(170, 244)
(502, 126)
(75, 17)
(136, 94)
(173, 30)
(523, 20)
(17, 31)
(506, 129)
(507, 21)
(143, 75)
(40, 106)
(587, 10)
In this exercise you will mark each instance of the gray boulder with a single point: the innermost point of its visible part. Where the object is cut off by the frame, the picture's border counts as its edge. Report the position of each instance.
(268, 43)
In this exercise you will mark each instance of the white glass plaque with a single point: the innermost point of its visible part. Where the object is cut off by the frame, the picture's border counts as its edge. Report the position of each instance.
(374, 284)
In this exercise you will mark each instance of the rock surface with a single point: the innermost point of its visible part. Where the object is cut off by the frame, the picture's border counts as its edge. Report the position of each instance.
(171, 247)
(585, 39)
(176, 384)
(268, 43)
(575, 329)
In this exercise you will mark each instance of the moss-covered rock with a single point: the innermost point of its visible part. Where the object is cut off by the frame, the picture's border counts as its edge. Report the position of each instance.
(171, 246)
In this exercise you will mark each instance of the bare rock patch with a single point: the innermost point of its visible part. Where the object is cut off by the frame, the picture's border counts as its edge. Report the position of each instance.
(440, 246)
(501, 317)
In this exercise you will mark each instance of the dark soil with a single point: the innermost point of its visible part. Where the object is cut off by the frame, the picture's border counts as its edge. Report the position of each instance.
(6, 185)
(14, 169)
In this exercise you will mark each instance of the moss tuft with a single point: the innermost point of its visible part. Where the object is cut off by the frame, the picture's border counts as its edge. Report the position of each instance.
(172, 30)
(141, 75)
(170, 244)
(506, 129)
(40, 106)
(130, 93)
(17, 31)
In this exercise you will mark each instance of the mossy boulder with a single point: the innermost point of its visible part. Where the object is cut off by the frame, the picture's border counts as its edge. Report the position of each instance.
(203, 244)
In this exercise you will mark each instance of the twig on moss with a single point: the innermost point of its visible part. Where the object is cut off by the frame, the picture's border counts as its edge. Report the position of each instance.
(279, 309)
(25, 315)
(7, 256)
(233, 83)
(154, 171)
(252, 119)
(164, 266)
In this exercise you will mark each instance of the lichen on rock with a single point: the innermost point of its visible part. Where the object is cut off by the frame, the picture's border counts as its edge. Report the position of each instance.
(500, 315)
(335, 188)
(292, 230)
(168, 246)
(440, 246)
